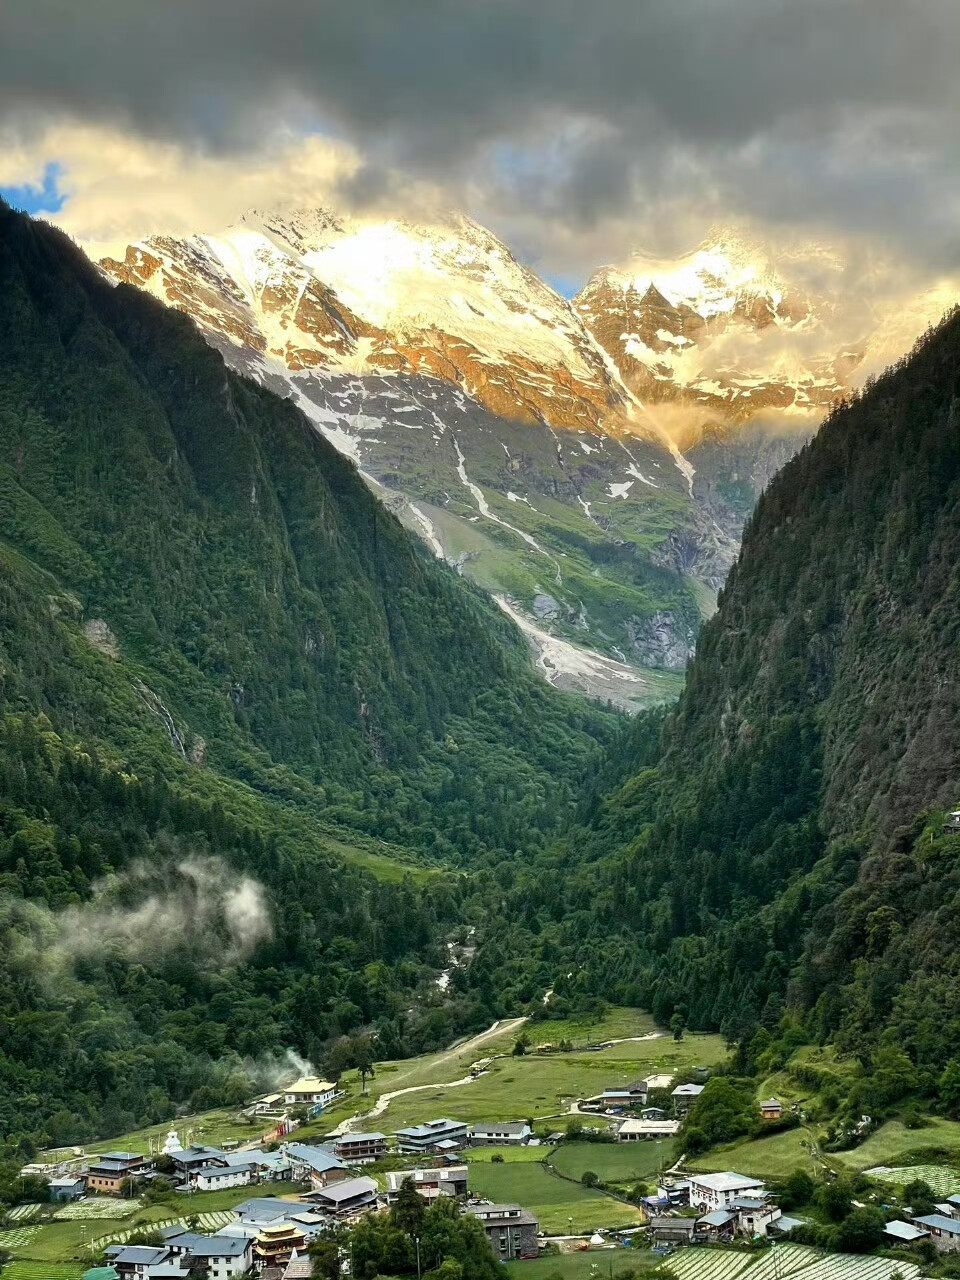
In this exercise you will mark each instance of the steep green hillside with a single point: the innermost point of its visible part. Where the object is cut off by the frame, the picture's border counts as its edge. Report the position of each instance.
(766, 849)
(227, 678)
(233, 562)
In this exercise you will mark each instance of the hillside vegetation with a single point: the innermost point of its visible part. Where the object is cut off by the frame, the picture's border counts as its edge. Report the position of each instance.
(777, 845)
(222, 665)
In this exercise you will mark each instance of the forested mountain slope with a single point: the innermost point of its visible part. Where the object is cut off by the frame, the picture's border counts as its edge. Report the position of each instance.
(218, 654)
(250, 578)
(771, 835)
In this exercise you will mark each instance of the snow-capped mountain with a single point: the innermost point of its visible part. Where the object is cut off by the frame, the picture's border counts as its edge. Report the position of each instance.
(310, 290)
(533, 442)
(720, 335)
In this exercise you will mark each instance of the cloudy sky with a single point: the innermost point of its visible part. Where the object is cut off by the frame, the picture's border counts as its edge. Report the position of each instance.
(575, 130)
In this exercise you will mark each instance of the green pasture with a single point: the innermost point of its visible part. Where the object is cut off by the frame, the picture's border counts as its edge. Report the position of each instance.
(561, 1206)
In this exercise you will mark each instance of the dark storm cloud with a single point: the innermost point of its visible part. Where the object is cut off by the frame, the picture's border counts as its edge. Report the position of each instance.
(726, 89)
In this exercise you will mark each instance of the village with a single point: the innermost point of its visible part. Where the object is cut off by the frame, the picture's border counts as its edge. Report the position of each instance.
(286, 1193)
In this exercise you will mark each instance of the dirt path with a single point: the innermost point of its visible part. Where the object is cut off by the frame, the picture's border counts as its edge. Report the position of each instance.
(467, 1047)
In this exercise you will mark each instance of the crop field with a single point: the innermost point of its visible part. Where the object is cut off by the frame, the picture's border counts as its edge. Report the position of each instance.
(561, 1206)
(785, 1262)
(943, 1180)
(592, 1264)
(17, 1237)
(613, 1161)
(96, 1209)
(24, 1212)
(23, 1270)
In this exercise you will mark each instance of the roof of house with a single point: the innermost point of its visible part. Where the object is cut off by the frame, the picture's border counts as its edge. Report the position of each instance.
(318, 1158)
(784, 1224)
(145, 1254)
(904, 1231)
(939, 1222)
(724, 1181)
(347, 1190)
(102, 1273)
(659, 1081)
(687, 1091)
(224, 1171)
(719, 1217)
(953, 1200)
(310, 1084)
(448, 1173)
(124, 1156)
(263, 1207)
(430, 1128)
(749, 1202)
(679, 1224)
(344, 1138)
(649, 1126)
(298, 1269)
(503, 1126)
(217, 1246)
(65, 1182)
(494, 1212)
(769, 1103)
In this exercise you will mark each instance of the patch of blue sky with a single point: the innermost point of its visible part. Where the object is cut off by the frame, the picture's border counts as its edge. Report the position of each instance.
(45, 197)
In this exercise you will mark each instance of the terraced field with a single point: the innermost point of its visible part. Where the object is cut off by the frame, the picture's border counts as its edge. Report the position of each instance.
(785, 1262)
(17, 1237)
(83, 1210)
(939, 1177)
(21, 1270)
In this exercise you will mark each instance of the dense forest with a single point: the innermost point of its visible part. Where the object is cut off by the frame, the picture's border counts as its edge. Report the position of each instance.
(222, 662)
(774, 852)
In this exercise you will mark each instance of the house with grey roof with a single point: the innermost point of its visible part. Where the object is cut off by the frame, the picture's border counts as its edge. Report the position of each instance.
(344, 1198)
(501, 1134)
(511, 1230)
(435, 1135)
(447, 1180)
(944, 1231)
(904, 1232)
(316, 1165)
(135, 1261)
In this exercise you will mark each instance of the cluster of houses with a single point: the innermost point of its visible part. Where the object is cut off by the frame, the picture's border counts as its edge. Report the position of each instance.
(725, 1205)
(942, 1227)
(270, 1236)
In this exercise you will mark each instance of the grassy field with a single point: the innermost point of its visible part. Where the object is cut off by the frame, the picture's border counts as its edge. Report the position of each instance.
(534, 1086)
(561, 1206)
(613, 1161)
(510, 1155)
(593, 1264)
(893, 1142)
(772, 1157)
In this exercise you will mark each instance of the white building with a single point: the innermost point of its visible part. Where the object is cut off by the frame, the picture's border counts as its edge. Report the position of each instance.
(640, 1130)
(221, 1177)
(502, 1134)
(709, 1191)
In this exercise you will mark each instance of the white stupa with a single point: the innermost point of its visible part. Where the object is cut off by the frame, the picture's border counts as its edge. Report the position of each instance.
(172, 1143)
